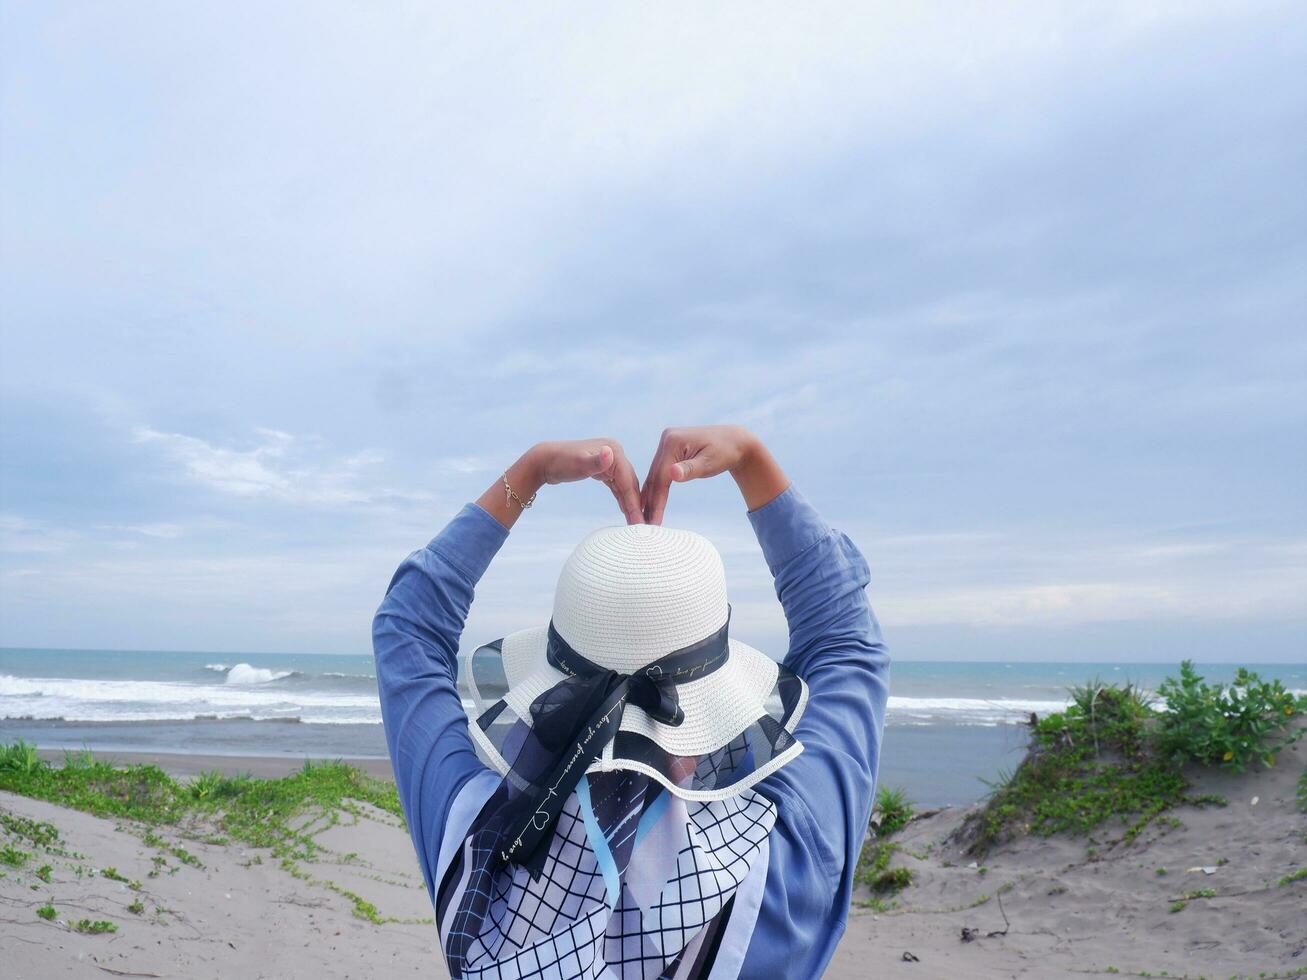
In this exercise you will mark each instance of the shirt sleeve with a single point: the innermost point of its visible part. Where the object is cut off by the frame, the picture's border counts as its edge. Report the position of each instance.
(415, 637)
(824, 797)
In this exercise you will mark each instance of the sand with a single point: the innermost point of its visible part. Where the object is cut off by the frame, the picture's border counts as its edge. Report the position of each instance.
(232, 918)
(1066, 910)
(1073, 907)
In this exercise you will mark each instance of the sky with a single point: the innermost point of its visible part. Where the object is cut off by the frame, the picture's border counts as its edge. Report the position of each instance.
(1014, 292)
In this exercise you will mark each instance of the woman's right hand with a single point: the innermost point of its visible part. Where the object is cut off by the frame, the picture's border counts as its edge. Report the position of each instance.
(697, 452)
(600, 459)
(565, 462)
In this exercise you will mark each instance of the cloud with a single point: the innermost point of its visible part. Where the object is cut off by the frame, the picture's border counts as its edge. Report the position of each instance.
(20, 535)
(160, 530)
(1012, 292)
(470, 464)
(1080, 603)
(277, 468)
(1064, 578)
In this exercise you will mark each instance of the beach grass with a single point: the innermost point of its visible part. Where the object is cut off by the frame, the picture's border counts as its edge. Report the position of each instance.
(282, 815)
(1115, 753)
(892, 810)
(259, 812)
(891, 813)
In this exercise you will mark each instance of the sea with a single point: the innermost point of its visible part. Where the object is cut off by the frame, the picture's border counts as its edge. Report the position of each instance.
(951, 730)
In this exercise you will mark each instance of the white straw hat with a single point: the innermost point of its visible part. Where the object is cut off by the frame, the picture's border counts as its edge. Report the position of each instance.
(626, 597)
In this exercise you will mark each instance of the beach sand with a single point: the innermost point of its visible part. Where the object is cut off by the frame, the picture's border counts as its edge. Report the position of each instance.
(1072, 907)
(1066, 910)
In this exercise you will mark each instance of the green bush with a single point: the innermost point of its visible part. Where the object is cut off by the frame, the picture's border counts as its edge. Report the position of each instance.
(1100, 716)
(892, 812)
(1095, 761)
(1248, 721)
(20, 757)
(892, 880)
(214, 786)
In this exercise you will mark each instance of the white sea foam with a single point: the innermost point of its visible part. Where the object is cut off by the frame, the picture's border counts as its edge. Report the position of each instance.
(245, 674)
(248, 692)
(967, 711)
(81, 699)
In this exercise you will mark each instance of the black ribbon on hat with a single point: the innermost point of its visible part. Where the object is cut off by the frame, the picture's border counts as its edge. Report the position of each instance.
(577, 717)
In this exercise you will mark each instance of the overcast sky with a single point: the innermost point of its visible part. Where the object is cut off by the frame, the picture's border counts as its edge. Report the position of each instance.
(1016, 293)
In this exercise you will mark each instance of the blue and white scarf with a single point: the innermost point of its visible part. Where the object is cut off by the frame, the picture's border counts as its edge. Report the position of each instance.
(637, 883)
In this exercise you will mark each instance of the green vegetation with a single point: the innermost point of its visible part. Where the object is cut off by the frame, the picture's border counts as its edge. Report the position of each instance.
(1232, 725)
(47, 912)
(257, 812)
(893, 880)
(890, 815)
(1298, 875)
(44, 872)
(1110, 754)
(279, 814)
(13, 857)
(137, 907)
(892, 811)
(37, 832)
(143, 793)
(95, 927)
(218, 786)
(19, 757)
(1302, 791)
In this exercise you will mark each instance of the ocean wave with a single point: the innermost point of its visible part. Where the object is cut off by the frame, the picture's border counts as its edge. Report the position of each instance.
(940, 711)
(254, 695)
(172, 717)
(83, 699)
(245, 674)
(975, 711)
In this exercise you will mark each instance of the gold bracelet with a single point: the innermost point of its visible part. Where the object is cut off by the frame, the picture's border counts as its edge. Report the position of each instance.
(510, 494)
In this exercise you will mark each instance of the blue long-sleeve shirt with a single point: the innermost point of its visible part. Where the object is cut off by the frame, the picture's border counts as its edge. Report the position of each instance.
(823, 797)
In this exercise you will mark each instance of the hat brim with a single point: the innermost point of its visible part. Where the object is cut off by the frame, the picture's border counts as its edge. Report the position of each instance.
(718, 709)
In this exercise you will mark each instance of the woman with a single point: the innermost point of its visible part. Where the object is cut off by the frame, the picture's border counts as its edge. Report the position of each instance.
(664, 801)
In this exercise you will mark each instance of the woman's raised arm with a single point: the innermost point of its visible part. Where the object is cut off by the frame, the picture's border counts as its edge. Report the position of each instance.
(416, 631)
(823, 797)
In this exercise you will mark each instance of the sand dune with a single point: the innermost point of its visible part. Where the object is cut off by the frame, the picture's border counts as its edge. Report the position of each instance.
(240, 915)
(1071, 906)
